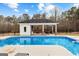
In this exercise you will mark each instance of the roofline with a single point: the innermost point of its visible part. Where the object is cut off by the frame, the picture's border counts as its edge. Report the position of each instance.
(40, 23)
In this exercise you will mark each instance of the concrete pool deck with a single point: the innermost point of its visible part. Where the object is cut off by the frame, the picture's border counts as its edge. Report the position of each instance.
(38, 50)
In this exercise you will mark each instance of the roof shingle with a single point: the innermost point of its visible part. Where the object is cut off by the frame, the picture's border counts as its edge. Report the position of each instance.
(38, 21)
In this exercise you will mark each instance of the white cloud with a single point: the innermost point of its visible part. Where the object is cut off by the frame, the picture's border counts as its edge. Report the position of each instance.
(16, 10)
(13, 6)
(26, 10)
(50, 7)
(46, 7)
(41, 6)
(76, 5)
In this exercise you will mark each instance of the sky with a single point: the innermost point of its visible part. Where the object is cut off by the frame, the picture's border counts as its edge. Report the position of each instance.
(9, 9)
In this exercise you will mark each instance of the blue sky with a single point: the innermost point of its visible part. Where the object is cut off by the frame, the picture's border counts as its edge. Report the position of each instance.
(10, 9)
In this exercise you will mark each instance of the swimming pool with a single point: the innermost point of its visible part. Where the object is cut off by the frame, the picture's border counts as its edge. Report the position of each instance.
(69, 43)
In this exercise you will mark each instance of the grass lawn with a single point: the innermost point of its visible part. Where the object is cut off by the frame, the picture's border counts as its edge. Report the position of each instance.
(63, 33)
(73, 34)
(70, 34)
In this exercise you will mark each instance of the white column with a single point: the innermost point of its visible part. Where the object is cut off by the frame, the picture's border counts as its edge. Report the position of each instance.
(52, 29)
(43, 29)
(30, 29)
(56, 29)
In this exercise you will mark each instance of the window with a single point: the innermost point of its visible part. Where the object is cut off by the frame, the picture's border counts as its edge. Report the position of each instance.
(24, 29)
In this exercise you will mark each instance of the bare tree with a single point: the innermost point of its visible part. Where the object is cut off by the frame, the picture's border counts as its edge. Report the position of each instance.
(36, 16)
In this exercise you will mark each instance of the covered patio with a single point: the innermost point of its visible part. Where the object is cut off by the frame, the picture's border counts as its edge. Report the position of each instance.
(43, 28)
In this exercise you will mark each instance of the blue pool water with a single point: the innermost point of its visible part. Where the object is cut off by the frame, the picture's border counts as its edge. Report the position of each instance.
(69, 43)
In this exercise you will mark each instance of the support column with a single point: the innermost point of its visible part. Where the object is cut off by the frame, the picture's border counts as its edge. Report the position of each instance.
(31, 30)
(52, 29)
(42, 29)
(55, 29)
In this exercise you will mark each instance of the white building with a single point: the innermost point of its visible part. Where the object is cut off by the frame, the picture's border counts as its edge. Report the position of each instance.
(26, 26)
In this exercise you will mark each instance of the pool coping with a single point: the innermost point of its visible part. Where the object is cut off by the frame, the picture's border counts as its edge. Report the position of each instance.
(73, 37)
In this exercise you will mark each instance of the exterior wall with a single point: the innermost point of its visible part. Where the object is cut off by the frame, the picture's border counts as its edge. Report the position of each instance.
(28, 29)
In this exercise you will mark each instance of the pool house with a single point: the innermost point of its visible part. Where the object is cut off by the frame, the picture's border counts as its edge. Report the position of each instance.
(37, 26)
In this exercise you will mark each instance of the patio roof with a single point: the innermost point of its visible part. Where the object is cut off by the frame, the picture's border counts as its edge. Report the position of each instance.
(38, 21)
